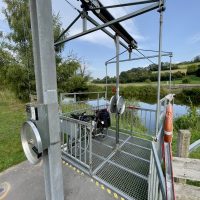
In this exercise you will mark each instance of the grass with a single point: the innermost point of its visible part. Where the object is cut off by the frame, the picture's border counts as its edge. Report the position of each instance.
(12, 116)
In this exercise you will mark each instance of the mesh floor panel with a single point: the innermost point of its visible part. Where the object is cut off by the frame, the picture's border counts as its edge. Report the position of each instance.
(126, 169)
(140, 142)
(124, 181)
(134, 164)
(101, 150)
(122, 136)
(108, 141)
(137, 151)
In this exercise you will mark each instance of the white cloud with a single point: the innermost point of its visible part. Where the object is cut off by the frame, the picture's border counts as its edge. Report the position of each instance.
(194, 39)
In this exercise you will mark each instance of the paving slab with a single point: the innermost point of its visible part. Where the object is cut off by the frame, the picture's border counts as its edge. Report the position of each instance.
(26, 182)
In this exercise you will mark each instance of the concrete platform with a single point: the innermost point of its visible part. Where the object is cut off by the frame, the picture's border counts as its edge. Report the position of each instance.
(26, 182)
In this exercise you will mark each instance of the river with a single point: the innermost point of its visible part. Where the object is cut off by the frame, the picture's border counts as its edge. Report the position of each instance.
(178, 109)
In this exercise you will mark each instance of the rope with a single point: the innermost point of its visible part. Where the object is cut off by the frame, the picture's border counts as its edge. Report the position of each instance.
(116, 56)
(145, 56)
(72, 6)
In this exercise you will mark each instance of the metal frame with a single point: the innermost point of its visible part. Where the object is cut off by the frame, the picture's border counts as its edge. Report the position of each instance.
(157, 187)
(45, 71)
(163, 54)
(108, 24)
(46, 86)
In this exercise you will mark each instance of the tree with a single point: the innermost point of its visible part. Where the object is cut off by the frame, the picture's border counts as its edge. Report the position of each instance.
(192, 69)
(19, 44)
(18, 17)
(198, 71)
(197, 58)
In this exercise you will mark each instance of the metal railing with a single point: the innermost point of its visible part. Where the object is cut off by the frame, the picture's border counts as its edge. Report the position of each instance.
(76, 140)
(156, 183)
(81, 101)
(137, 120)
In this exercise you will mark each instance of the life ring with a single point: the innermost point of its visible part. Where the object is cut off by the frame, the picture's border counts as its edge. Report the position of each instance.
(168, 124)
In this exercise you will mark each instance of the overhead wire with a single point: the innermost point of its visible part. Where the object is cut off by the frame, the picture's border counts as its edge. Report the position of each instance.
(116, 56)
(145, 56)
(74, 7)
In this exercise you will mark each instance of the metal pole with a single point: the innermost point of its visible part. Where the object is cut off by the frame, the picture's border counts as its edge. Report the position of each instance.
(170, 75)
(161, 9)
(45, 73)
(117, 87)
(106, 81)
(84, 19)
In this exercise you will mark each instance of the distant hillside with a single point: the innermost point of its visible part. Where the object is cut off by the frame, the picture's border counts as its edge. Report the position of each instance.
(181, 71)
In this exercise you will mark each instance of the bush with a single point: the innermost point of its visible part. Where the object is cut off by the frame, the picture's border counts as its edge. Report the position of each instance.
(190, 96)
(148, 81)
(142, 93)
(21, 81)
(186, 80)
(192, 69)
(198, 71)
(189, 121)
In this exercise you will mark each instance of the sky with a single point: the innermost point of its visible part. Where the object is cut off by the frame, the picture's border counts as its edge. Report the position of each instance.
(181, 34)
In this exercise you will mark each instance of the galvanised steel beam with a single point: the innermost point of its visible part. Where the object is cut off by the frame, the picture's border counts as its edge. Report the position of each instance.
(117, 87)
(124, 4)
(67, 29)
(120, 19)
(105, 16)
(161, 10)
(155, 51)
(170, 75)
(90, 19)
(46, 86)
(140, 58)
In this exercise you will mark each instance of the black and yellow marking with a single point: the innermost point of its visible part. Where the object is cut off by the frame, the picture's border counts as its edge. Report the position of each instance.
(101, 186)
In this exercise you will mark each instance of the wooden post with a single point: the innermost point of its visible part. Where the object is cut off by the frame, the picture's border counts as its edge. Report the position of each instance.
(183, 143)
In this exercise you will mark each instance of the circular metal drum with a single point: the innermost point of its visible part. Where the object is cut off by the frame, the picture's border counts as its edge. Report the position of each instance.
(120, 105)
(31, 142)
(113, 102)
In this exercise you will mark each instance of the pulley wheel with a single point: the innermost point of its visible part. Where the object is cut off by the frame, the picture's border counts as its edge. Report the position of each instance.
(31, 142)
(120, 105)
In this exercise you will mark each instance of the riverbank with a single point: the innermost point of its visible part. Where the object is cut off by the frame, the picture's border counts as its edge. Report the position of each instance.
(148, 92)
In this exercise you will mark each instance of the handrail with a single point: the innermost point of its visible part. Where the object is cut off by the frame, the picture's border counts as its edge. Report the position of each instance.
(140, 108)
(75, 121)
(160, 172)
(194, 146)
(156, 184)
(66, 93)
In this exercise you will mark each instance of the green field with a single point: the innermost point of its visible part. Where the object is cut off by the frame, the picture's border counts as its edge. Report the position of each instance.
(183, 70)
(181, 67)
(184, 66)
(193, 80)
(11, 118)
